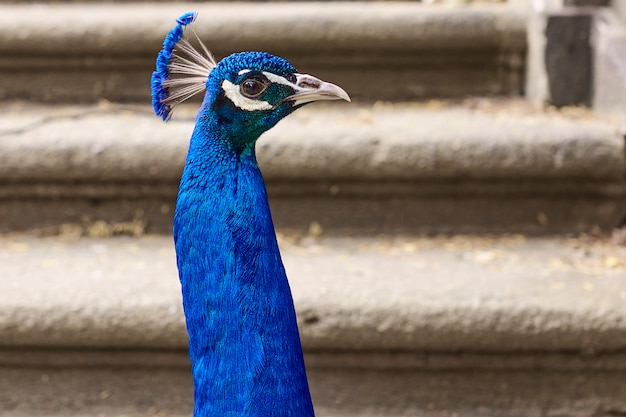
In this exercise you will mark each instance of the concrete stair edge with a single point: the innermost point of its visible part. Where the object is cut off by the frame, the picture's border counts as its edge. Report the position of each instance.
(108, 28)
(81, 53)
(482, 166)
(412, 142)
(506, 295)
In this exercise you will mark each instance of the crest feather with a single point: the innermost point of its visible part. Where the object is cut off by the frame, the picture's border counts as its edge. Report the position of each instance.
(181, 70)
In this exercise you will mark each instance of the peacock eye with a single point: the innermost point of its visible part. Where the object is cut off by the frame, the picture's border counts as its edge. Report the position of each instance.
(254, 87)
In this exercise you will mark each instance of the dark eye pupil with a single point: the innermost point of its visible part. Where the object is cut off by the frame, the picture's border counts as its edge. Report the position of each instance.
(252, 88)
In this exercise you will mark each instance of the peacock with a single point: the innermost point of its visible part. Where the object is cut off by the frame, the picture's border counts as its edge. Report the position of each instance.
(244, 345)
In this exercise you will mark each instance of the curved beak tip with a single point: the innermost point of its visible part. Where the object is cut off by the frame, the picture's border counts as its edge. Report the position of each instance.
(344, 95)
(331, 91)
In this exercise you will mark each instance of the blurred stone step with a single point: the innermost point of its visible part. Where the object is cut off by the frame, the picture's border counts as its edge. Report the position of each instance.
(76, 52)
(577, 53)
(477, 166)
(391, 326)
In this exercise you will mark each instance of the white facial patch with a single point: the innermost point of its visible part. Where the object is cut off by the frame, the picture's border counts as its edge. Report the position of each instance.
(232, 92)
(243, 71)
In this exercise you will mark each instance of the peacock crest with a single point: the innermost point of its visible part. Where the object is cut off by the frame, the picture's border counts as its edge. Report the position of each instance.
(181, 69)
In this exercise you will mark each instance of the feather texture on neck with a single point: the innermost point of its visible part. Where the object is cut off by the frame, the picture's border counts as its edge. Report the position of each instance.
(243, 337)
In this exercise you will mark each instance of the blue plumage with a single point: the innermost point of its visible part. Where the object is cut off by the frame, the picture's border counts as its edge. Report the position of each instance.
(243, 337)
(159, 93)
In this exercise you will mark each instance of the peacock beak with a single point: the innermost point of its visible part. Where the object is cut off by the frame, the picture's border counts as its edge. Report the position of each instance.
(309, 88)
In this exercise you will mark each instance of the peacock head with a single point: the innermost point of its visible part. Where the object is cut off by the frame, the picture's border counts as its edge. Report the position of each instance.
(246, 93)
(252, 91)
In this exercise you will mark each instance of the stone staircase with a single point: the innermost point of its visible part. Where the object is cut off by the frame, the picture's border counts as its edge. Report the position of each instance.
(86, 52)
(391, 326)
(497, 166)
(514, 305)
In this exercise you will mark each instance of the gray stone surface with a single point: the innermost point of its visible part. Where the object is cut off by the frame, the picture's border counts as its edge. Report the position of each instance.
(286, 26)
(83, 52)
(607, 87)
(392, 327)
(536, 85)
(610, 63)
(484, 165)
(462, 294)
(346, 208)
(569, 58)
(337, 392)
(400, 142)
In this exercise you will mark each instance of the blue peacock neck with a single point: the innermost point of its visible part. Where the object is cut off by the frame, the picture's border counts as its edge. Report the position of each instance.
(243, 338)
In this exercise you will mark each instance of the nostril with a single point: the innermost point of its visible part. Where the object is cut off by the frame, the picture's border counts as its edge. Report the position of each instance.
(309, 84)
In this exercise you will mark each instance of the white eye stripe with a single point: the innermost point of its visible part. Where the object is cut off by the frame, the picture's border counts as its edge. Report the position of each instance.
(272, 77)
(280, 80)
(232, 92)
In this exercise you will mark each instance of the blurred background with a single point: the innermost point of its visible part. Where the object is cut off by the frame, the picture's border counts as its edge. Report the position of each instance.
(454, 237)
